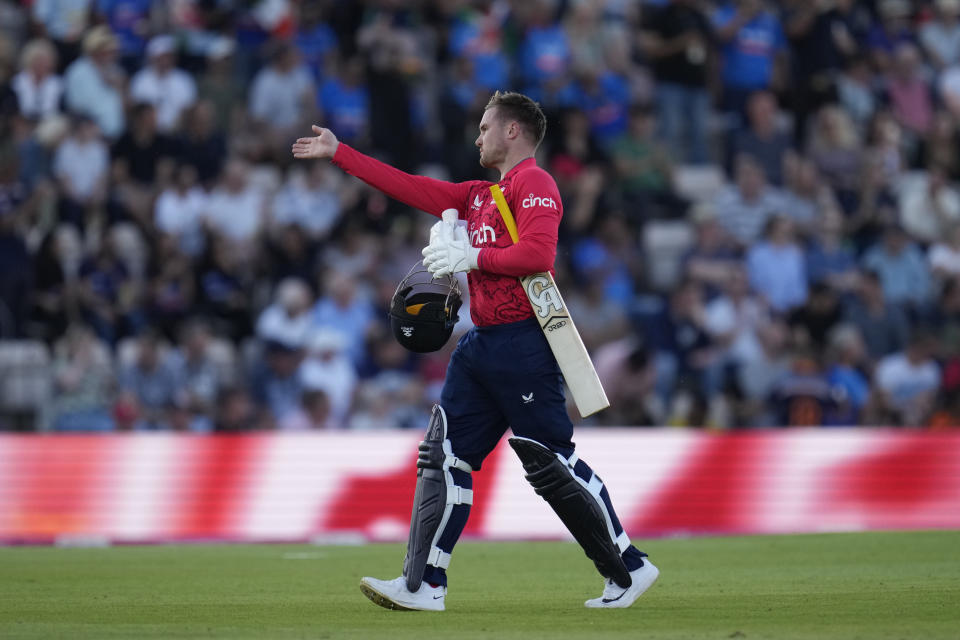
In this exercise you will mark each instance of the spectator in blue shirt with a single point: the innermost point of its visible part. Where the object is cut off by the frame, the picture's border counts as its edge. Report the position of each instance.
(890, 32)
(151, 381)
(605, 97)
(314, 39)
(848, 355)
(904, 273)
(751, 39)
(544, 56)
(829, 259)
(346, 102)
(776, 266)
(477, 37)
(130, 22)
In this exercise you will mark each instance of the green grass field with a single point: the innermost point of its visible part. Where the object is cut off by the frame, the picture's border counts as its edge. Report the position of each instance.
(866, 586)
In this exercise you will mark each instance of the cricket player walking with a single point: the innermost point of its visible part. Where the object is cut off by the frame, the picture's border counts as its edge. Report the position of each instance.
(503, 372)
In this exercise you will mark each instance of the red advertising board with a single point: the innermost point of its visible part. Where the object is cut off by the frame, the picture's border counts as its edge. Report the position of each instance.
(358, 486)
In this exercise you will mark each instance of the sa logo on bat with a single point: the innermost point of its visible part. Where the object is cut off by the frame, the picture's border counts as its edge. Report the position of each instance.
(546, 300)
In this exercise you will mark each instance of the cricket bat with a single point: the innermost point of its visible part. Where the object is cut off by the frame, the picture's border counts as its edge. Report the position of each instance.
(558, 327)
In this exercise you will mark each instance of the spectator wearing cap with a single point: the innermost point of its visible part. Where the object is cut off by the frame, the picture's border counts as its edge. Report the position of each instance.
(95, 83)
(39, 89)
(160, 83)
(902, 268)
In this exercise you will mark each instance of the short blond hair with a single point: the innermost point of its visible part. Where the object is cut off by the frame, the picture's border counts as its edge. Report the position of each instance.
(37, 47)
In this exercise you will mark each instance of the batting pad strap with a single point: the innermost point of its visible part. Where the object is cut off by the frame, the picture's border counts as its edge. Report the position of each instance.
(623, 541)
(453, 462)
(572, 460)
(459, 495)
(438, 558)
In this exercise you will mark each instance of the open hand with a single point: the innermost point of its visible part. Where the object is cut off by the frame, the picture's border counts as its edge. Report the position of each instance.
(324, 145)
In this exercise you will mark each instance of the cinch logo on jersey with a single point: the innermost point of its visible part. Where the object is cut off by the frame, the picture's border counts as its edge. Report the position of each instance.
(536, 201)
(483, 235)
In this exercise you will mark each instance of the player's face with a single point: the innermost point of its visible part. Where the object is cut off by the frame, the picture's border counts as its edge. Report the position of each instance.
(492, 140)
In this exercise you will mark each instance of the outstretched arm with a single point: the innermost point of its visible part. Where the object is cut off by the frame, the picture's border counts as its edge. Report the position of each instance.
(420, 192)
(323, 146)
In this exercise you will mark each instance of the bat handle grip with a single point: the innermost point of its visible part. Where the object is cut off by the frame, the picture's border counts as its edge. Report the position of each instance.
(450, 216)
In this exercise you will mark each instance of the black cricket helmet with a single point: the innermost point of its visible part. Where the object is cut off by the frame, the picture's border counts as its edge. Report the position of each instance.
(424, 309)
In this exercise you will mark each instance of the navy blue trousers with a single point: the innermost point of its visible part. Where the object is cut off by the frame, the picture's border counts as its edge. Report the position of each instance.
(499, 377)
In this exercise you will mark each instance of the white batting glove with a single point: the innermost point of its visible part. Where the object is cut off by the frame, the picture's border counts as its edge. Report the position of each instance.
(451, 257)
(449, 250)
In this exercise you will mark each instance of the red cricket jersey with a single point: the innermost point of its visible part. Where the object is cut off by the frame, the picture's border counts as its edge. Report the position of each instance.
(496, 296)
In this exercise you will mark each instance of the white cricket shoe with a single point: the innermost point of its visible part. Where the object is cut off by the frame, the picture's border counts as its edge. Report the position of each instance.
(616, 597)
(393, 594)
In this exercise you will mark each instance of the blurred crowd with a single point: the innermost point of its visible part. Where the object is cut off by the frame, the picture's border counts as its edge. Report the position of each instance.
(762, 212)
